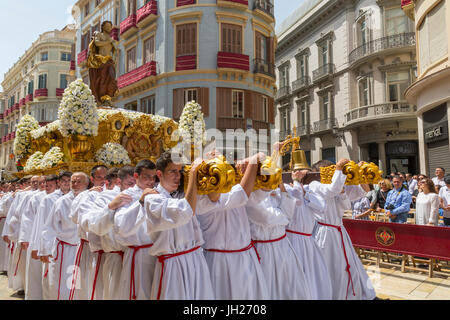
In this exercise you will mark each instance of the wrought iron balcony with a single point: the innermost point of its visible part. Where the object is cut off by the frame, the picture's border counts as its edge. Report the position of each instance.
(300, 83)
(265, 6)
(390, 42)
(264, 67)
(377, 111)
(304, 130)
(324, 71)
(324, 125)
(283, 92)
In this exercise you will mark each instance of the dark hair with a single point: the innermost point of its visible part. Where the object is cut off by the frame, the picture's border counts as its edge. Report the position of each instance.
(144, 164)
(67, 174)
(320, 164)
(112, 174)
(447, 179)
(105, 22)
(441, 169)
(51, 177)
(164, 161)
(125, 172)
(97, 167)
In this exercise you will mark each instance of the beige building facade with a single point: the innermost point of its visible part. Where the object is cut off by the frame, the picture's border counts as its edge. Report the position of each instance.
(342, 67)
(431, 91)
(35, 85)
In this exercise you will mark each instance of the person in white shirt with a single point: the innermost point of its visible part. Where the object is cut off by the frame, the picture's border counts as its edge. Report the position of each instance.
(444, 195)
(412, 183)
(427, 204)
(439, 178)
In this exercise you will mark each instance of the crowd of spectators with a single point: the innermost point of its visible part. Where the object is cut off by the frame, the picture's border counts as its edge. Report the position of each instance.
(399, 192)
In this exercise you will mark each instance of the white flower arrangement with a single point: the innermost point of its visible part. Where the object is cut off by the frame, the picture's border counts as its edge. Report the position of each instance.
(112, 154)
(132, 116)
(78, 111)
(22, 141)
(42, 131)
(52, 158)
(34, 162)
(192, 124)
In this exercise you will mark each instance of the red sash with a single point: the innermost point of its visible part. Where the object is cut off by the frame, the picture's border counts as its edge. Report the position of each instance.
(97, 268)
(62, 244)
(132, 281)
(299, 233)
(163, 258)
(251, 245)
(77, 267)
(347, 269)
(269, 241)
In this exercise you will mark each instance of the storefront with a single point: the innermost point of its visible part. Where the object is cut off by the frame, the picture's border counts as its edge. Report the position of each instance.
(402, 156)
(436, 139)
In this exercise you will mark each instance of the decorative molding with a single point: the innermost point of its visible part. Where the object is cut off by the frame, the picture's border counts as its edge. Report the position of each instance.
(194, 15)
(223, 16)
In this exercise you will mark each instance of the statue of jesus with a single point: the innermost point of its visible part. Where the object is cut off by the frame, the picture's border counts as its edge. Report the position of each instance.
(102, 73)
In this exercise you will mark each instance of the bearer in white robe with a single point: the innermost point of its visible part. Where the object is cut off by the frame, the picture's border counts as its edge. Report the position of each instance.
(14, 222)
(300, 231)
(45, 207)
(60, 251)
(88, 253)
(5, 203)
(181, 272)
(232, 259)
(348, 276)
(33, 268)
(138, 265)
(269, 213)
(99, 220)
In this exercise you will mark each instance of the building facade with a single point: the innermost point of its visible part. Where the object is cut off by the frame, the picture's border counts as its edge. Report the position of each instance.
(35, 85)
(219, 53)
(342, 68)
(431, 91)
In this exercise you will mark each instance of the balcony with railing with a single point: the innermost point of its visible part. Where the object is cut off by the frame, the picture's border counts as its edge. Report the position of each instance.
(144, 71)
(301, 83)
(380, 46)
(264, 67)
(224, 123)
(283, 92)
(324, 72)
(41, 93)
(390, 110)
(325, 125)
(147, 13)
(233, 61)
(185, 2)
(187, 62)
(236, 4)
(82, 57)
(22, 102)
(29, 98)
(304, 130)
(60, 92)
(16, 107)
(128, 26)
(264, 6)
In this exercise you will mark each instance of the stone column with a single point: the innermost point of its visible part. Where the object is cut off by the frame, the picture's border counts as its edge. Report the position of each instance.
(382, 157)
(423, 160)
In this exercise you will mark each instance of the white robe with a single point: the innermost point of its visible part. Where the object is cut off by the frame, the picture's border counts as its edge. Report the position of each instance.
(330, 241)
(99, 221)
(5, 203)
(309, 253)
(132, 231)
(44, 209)
(20, 255)
(33, 269)
(89, 250)
(269, 213)
(175, 230)
(225, 226)
(59, 227)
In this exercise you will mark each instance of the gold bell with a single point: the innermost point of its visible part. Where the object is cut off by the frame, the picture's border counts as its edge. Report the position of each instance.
(298, 160)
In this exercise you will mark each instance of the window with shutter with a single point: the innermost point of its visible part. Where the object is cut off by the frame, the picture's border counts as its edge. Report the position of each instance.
(149, 50)
(238, 104)
(131, 9)
(186, 39)
(148, 105)
(190, 95)
(131, 59)
(231, 38)
(42, 81)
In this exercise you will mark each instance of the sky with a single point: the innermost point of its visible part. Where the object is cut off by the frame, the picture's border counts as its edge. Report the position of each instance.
(22, 21)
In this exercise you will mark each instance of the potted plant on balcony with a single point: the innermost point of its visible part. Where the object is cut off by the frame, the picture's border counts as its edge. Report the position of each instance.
(78, 119)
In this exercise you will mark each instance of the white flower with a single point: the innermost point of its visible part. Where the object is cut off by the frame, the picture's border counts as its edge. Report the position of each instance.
(192, 124)
(112, 154)
(22, 141)
(78, 111)
(34, 162)
(52, 158)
